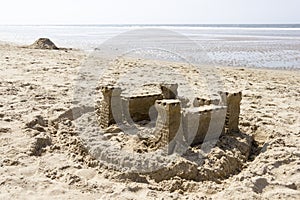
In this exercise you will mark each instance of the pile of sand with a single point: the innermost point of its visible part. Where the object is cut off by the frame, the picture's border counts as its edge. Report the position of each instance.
(44, 43)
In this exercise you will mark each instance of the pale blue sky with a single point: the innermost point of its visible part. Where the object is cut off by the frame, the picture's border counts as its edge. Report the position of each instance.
(149, 11)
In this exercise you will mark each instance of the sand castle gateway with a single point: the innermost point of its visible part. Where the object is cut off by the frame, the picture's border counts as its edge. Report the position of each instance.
(174, 123)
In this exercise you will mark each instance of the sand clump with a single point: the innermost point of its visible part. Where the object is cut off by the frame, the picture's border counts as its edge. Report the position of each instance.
(38, 144)
(44, 43)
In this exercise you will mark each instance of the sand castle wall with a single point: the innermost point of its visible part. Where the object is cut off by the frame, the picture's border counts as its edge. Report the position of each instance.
(206, 122)
(140, 107)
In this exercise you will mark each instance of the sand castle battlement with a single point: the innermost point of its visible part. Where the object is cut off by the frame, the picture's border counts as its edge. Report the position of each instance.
(204, 121)
(202, 102)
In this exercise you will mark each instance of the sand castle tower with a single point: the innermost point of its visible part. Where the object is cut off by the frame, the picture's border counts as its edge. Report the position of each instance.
(169, 91)
(111, 98)
(168, 123)
(232, 101)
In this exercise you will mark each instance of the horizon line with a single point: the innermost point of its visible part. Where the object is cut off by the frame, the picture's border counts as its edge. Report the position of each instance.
(153, 24)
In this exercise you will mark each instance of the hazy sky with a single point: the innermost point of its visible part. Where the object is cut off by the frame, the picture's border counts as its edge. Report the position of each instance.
(148, 11)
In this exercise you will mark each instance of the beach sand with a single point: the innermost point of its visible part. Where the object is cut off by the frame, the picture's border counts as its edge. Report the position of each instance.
(39, 160)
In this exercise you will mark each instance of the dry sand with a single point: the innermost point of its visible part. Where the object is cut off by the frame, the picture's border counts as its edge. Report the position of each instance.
(45, 158)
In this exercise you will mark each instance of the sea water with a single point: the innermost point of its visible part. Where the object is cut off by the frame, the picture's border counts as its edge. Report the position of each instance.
(275, 46)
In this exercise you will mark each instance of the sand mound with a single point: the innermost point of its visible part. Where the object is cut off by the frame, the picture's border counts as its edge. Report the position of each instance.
(227, 158)
(44, 43)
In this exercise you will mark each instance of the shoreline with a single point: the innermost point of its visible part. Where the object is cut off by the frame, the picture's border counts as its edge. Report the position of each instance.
(89, 52)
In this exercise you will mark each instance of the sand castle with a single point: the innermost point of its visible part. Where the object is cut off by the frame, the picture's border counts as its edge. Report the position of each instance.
(206, 119)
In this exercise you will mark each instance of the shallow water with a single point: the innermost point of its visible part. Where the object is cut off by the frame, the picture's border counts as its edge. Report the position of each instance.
(243, 46)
